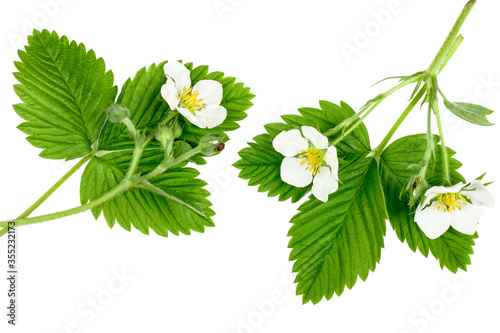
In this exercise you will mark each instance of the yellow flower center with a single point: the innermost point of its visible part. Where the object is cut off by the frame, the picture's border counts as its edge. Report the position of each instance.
(450, 201)
(314, 159)
(191, 100)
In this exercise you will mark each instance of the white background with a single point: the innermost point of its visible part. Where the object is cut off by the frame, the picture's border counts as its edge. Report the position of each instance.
(235, 277)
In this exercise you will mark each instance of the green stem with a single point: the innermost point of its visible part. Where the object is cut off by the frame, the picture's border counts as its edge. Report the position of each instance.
(131, 128)
(165, 166)
(450, 40)
(366, 113)
(51, 190)
(58, 184)
(451, 52)
(378, 151)
(444, 151)
(136, 157)
(119, 189)
(169, 117)
(140, 145)
(126, 184)
(430, 145)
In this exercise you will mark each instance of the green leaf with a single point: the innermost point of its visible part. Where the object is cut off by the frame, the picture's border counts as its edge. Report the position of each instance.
(260, 163)
(336, 241)
(453, 249)
(142, 96)
(472, 113)
(180, 205)
(64, 90)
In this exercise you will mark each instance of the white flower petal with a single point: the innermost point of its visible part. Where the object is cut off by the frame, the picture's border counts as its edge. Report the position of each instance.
(169, 94)
(442, 189)
(213, 115)
(324, 184)
(295, 174)
(179, 73)
(332, 160)
(431, 221)
(210, 91)
(192, 118)
(290, 143)
(318, 140)
(478, 194)
(466, 219)
(436, 190)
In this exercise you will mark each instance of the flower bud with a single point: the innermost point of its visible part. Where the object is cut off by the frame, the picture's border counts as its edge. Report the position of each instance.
(165, 135)
(415, 187)
(211, 144)
(116, 113)
(176, 130)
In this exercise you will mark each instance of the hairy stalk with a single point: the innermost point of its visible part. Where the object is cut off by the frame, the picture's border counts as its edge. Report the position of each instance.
(377, 151)
(445, 53)
(451, 52)
(366, 113)
(436, 64)
(119, 189)
(51, 190)
(127, 183)
(430, 145)
(444, 151)
(170, 164)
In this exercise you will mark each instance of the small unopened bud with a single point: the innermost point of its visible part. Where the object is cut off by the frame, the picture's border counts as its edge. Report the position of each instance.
(165, 136)
(211, 144)
(176, 130)
(415, 187)
(116, 113)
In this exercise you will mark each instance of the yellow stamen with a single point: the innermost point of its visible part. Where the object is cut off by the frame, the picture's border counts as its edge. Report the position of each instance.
(314, 159)
(190, 100)
(450, 201)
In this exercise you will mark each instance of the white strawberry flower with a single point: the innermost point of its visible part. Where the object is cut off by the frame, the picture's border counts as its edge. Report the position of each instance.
(457, 206)
(308, 158)
(199, 104)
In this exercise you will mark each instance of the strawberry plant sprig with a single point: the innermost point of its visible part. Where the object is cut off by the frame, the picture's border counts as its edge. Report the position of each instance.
(338, 233)
(135, 147)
